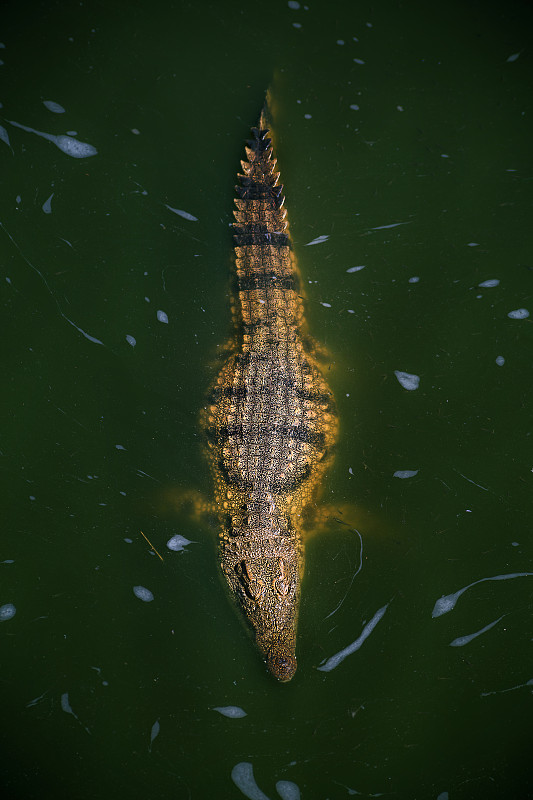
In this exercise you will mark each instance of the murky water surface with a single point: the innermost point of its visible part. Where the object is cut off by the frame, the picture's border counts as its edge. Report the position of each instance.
(404, 141)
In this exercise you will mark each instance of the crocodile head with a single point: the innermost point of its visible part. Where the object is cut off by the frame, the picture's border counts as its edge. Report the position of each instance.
(266, 585)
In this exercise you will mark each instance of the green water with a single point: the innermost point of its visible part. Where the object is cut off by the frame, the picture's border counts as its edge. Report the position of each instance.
(97, 432)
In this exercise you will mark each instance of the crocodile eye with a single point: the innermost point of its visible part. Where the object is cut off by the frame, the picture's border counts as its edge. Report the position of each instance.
(253, 586)
(280, 583)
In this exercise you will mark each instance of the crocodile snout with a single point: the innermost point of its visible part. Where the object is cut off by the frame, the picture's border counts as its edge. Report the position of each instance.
(281, 662)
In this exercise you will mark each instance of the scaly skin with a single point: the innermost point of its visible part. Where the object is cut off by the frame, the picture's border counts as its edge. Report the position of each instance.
(271, 422)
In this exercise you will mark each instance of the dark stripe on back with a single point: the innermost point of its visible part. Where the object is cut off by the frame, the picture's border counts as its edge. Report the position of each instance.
(233, 480)
(249, 235)
(245, 359)
(264, 281)
(303, 434)
(241, 432)
(288, 485)
(248, 182)
(230, 392)
(260, 191)
(318, 398)
(252, 327)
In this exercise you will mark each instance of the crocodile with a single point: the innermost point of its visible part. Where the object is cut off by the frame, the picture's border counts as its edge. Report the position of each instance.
(270, 421)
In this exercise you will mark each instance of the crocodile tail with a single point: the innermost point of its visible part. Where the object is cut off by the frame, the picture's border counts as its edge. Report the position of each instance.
(265, 118)
(260, 217)
(268, 284)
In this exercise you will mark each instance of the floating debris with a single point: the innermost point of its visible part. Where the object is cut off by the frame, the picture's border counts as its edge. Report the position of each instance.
(519, 313)
(288, 790)
(4, 135)
(154, 733)
(55, 108)
(509, 689)
(47, 205)
(336, 659)
(72, 147)
(393, 225)
(151, 545)
(242, 776)
(232, 712)
(7, 611)
(462, 640)
(143, 594)
(318, 240)
(36, 700)
(178, 543)
(66, 707)
(447, 602)
(405, 473)
(180, 213)
(407, 380)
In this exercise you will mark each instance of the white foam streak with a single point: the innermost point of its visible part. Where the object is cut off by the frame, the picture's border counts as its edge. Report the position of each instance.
(242, 776)
(336, 659)
(447, 602)
(462, 640)
(180, 213)
(67, 144)
(408, 380)
(231, 712)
